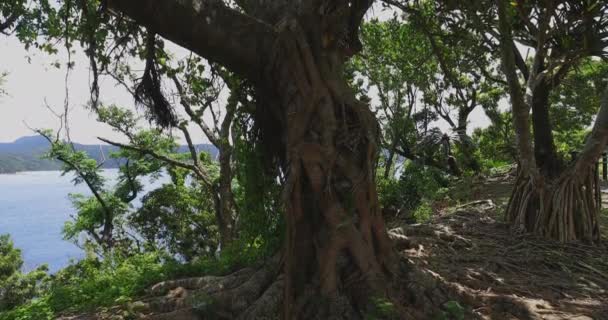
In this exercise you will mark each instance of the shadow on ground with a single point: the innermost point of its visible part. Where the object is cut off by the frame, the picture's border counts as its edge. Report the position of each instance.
(468, 255)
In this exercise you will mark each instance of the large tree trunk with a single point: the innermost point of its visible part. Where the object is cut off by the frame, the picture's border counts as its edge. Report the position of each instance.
(337, 244)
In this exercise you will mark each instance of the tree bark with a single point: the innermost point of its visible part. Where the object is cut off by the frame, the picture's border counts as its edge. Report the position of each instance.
(544, 145)
(227, 205)
(519, 107)
(334, 225)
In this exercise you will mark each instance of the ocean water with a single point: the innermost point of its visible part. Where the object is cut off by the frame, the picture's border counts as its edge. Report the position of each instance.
(33, 209)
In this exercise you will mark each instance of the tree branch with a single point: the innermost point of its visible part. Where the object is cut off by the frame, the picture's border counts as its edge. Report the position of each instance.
(108, 215)
(199, 173)
(207, 27)
(445, 115)
(8, 22)
(520, 62)
(191, 147)
(597, 141)
(213, 138)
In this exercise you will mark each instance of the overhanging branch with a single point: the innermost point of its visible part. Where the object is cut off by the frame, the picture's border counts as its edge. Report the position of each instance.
(208, 28)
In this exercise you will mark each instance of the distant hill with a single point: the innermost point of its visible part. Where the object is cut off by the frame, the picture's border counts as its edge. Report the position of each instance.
(24, 154)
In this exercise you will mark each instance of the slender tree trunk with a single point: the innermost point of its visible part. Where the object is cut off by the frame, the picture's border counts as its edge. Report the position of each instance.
(463, 117)
(466, 143)
(389, 160)
(227, 204)
(544, 145)
(226, 199)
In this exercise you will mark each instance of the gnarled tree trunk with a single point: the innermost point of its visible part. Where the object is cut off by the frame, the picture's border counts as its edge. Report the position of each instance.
(337, 254)
(337, 244)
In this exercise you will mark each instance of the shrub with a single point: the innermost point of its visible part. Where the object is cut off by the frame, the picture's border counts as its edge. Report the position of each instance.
(417, 186)
(16, 287)
(91, 283)
(424, 212)
(38, 309)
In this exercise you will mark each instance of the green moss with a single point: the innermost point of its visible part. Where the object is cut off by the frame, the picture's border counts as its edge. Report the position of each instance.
(381, 308)
(452, 311)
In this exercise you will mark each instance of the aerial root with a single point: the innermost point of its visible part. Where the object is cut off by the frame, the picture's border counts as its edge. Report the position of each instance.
(566, 210)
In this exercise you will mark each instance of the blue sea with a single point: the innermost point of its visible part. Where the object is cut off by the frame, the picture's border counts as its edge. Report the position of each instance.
(33, 209)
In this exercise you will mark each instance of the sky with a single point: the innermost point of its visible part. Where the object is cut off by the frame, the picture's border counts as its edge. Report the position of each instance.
(33, 81)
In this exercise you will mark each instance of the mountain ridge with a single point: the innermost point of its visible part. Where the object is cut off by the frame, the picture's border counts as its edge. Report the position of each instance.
(25, 154)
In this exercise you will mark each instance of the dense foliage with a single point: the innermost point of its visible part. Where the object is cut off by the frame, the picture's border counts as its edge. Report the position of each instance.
(16, 287)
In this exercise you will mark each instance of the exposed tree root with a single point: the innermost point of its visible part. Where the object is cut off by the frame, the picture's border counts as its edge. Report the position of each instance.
(251, 295)
(245, 292)
(208, 283)
(268, 306)
(566, 209)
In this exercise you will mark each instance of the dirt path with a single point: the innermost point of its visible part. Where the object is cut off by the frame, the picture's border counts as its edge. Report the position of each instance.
(497, 275)
(468, 255)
